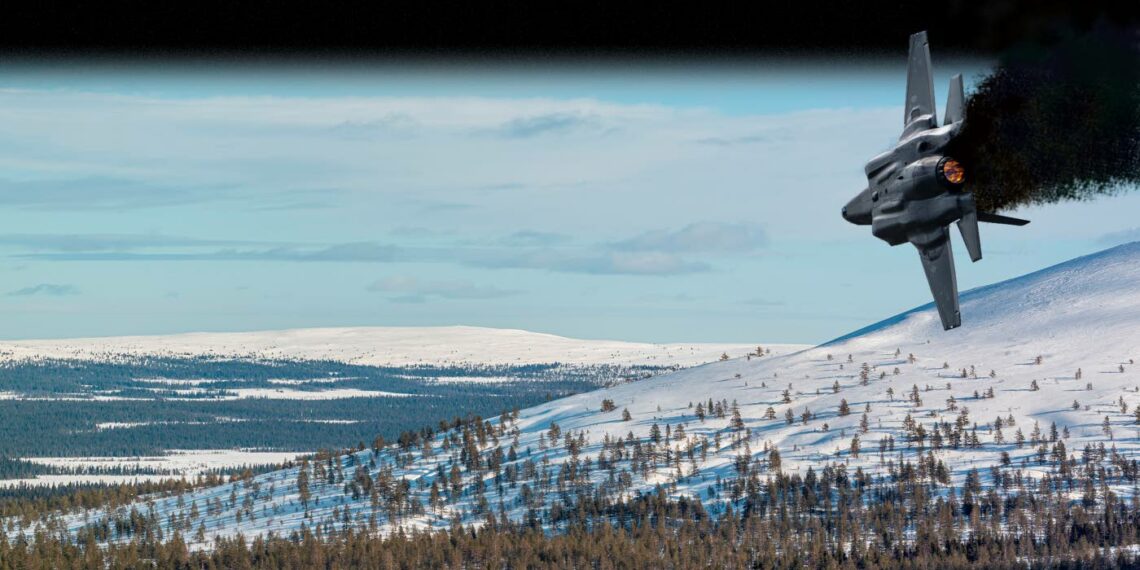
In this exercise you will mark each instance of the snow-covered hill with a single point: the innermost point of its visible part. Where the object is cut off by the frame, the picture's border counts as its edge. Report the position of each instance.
(1054, 348)
(389, 346)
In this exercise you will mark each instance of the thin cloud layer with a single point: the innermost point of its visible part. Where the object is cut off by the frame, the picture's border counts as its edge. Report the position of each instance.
(701, 237)
(1120, 237)
(107, 242)
(532, 238)
(653, 253)
(104, 193)
(593, 262)
(414, 290)
(553, 123)
(47, 289)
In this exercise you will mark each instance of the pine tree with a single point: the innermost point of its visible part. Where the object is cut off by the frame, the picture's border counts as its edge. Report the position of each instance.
(737, 422)
(303, 484)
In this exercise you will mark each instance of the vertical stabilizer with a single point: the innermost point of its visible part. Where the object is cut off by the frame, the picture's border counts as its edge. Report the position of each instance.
(955, 101)
(968, 225)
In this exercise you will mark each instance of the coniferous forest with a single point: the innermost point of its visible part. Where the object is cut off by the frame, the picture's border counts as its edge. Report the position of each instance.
(910, 515)
(832, 519)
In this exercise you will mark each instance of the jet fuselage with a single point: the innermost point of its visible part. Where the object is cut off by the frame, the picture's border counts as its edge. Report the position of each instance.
(906, 196)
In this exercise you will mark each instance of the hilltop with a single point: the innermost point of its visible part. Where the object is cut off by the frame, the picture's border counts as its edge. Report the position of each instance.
(386, 346)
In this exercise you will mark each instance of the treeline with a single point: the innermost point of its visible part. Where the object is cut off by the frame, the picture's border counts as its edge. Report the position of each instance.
(30, 502)
(23, 469)
(24, 503)
(20, 469)
(648, 532)
(53, 376)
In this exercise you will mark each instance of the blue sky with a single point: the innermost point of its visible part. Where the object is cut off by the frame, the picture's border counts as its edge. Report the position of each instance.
(683, 202)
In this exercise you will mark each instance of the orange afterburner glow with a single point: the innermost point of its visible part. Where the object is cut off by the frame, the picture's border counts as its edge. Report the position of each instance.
(952, 171)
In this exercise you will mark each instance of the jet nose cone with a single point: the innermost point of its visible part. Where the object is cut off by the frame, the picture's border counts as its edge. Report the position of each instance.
(858, 210)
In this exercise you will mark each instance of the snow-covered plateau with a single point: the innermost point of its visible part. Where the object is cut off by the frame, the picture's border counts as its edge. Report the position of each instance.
(1042, 359)
(387, 346)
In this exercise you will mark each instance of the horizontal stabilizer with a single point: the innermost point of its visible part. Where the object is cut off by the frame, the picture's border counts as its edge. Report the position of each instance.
(1000, 219)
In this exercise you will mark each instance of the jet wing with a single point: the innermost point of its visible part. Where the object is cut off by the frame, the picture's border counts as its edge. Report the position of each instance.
(938, 262)
(1000, 219)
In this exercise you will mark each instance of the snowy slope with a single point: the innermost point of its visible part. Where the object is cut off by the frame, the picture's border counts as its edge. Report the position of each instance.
(394, 346)
(1083, 314)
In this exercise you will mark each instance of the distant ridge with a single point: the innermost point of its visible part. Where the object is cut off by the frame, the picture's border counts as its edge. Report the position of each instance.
(391, 346)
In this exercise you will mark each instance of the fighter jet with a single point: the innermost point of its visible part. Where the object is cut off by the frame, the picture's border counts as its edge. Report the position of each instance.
(915, 191)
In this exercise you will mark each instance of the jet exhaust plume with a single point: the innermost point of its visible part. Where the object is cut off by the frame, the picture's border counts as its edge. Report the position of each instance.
(1055, 123)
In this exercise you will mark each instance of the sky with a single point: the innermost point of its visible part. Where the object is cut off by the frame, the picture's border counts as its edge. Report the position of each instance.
(693, 201)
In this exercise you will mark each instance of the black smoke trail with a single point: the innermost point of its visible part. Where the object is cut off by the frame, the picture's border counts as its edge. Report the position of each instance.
(1055, 123)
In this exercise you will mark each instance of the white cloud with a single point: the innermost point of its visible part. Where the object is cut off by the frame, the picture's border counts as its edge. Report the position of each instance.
(414, 290)
(698, 238)
(49, 289)
(1120, 237)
